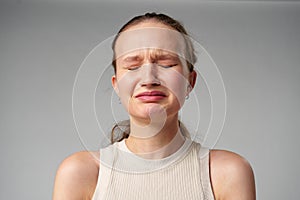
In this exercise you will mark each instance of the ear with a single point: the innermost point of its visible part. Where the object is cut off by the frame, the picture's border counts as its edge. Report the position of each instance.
(114, 83)
(192, 79)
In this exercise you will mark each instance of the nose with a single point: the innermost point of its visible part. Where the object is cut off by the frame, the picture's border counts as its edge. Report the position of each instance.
(149, 75)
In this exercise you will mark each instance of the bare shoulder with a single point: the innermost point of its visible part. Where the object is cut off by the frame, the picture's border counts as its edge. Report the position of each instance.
(76, 177)
(232, 176)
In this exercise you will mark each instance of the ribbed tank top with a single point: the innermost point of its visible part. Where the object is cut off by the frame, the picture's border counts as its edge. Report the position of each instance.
(181, 176)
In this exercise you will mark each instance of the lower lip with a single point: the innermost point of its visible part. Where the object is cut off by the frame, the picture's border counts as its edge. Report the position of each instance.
(150, 98)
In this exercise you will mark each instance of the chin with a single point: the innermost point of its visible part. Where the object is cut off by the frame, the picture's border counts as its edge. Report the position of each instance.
(153, 112)
(147, 110)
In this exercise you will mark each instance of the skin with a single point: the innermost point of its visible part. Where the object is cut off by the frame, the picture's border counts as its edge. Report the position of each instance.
(154, 66)
(231, 175)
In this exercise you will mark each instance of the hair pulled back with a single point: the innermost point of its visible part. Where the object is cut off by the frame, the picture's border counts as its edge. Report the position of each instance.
(122, 129)
(166, 20)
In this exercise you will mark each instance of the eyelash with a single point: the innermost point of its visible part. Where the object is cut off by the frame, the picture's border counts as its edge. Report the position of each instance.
(132, 68)
(167, 66)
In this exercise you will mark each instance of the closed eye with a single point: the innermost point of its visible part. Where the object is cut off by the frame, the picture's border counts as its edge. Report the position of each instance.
(132, 68)
(167, 66)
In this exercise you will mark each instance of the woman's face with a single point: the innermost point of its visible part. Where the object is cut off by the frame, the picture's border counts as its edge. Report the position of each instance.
(151, 75)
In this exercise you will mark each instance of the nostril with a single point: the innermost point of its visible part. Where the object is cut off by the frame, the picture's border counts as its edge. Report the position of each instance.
(151, 82)
(149, 75)
(155, 84)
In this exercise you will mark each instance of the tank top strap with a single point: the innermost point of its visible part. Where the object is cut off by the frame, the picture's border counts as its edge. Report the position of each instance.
(204, 160)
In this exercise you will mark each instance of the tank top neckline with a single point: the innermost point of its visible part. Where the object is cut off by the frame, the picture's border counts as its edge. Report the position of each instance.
(123, 147)
(119, 157)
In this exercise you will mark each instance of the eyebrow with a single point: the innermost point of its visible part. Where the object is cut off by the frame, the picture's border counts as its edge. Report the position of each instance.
(157, 55)
(132, 58)
(165, 56)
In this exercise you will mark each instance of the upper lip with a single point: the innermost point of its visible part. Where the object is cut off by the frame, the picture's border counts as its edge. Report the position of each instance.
(151, 93)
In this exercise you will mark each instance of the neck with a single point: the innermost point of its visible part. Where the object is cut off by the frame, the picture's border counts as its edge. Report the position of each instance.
(155, 140)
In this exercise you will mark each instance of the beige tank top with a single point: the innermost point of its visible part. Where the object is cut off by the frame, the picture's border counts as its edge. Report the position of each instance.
(181, 176)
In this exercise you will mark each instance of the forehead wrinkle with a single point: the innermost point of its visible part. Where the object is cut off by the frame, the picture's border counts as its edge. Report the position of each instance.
(152, 54)
(150, 37)
(159, 54)
(133, 58)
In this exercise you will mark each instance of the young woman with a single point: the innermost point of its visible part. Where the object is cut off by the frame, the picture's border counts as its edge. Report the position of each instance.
(154, 159)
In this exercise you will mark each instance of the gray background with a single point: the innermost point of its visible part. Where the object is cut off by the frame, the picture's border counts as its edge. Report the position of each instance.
(42, 44)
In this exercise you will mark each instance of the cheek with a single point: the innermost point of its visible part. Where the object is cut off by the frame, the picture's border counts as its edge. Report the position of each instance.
(176, 83)
(126, 85)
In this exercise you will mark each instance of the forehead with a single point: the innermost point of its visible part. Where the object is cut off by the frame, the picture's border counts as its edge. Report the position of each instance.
(151, 52)
(166, 40)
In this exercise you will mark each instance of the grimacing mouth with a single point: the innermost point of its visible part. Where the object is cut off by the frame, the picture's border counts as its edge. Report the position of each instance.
(151, 93)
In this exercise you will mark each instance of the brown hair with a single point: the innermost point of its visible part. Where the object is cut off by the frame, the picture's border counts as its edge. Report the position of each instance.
(166, 20)
(122, 129)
